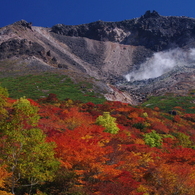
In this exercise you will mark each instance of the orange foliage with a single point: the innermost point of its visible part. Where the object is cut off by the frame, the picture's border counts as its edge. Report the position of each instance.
(106, 164)
(83, 150)
(3, 176)
(174, 179)
(73, 118)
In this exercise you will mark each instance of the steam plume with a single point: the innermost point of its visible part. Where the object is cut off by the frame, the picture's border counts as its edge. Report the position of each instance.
(162, 62)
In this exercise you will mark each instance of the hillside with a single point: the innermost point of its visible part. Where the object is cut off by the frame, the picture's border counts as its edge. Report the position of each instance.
(106, 108)
(68, 147)
(131, 60)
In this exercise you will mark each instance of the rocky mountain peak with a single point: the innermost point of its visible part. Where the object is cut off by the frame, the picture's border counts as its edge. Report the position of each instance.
(151, 30)
(24, 23)
(149, 14)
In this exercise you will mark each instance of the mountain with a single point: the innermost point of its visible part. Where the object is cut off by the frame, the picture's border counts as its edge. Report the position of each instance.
(127, 61)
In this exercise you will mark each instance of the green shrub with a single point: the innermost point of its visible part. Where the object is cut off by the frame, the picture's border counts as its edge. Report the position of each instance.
(108, 122)
(184, 140)
(153, 139)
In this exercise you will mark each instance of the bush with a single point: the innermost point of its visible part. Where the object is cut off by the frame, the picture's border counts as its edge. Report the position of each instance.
(108, 122)
(153, 139)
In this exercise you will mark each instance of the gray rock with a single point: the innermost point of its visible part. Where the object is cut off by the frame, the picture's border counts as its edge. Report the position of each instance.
(16, 47)
(151, 30)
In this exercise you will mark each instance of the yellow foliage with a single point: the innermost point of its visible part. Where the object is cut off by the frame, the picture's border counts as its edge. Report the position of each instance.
(57, 104)
(127, 133)
(86, 137)
(143, 189)
(145, 114)
(5, 193)
(146, 124)
(70, 101)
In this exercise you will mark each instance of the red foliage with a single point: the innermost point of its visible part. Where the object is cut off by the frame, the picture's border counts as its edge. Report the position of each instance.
(190, 117)
(33, 102)
(176, 118)
(52, 98)
(10, 100)
(159, 127)
(120, 164)
(181, 155)
(113, 164)
(83, 150)
(121, 184)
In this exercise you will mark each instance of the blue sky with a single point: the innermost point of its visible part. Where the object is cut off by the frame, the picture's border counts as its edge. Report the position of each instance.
(47, 13)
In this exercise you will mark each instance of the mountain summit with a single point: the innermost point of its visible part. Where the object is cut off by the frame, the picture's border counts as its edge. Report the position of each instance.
(151, 30)
(130, 60)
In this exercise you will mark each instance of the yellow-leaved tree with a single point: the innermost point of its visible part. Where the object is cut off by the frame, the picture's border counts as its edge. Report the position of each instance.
(108, 122)
(24, 149)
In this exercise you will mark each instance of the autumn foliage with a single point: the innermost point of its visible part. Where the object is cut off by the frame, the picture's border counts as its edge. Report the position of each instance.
(105, 149)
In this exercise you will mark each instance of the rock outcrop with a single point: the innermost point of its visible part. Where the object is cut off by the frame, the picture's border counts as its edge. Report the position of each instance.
(17, 47)
(24, 24)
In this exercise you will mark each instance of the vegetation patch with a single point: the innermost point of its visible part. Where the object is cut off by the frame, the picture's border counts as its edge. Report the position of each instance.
(41, 85)
(70, 147)
(171, 102)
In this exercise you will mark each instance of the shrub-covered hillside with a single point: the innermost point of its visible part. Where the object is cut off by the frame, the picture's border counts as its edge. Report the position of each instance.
(66, 147)
(35, 86)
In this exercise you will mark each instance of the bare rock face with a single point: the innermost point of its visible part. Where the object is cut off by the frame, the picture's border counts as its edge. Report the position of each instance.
(100, 31)
(106, 51)
(151, 30)
(16, 47)
(161, 32)
(24, 24)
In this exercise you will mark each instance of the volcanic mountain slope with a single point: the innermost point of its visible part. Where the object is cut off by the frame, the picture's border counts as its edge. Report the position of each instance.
(116, 54)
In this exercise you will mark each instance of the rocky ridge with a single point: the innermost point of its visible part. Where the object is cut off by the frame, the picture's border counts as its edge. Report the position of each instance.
(151, 30)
